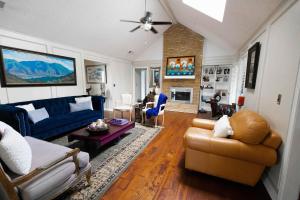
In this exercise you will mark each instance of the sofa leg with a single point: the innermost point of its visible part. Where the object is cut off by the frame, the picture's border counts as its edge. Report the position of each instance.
(88, 177)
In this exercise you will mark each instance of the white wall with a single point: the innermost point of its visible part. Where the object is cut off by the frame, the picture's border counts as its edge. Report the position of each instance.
(153, 52)
(277, 74)
(214, 54)
(119, 71)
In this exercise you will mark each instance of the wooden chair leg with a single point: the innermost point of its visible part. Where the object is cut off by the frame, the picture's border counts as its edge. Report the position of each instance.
(114, 114)
(156, 121)
(88, 177)
(163, 120)
(142, 117)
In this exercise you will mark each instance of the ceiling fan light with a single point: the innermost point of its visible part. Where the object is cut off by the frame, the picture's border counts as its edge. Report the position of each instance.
(147, 26)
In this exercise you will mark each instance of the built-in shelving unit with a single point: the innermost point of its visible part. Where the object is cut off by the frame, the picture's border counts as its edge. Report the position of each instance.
(215, 79)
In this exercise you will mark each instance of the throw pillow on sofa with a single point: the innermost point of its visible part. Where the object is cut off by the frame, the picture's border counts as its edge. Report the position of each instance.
(85, 99)
(222, 127)
(27, 107)
(15, 152)
(38, 115)
(75, 107)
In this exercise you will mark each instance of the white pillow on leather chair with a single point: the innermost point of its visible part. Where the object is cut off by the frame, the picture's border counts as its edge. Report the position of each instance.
(222, 127)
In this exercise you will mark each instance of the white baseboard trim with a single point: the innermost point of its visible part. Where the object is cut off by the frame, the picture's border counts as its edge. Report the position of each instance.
(108, 109)
(270, 188)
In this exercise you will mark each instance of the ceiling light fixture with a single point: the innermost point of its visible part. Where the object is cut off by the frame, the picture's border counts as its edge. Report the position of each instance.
(213, 8)
(147, 26)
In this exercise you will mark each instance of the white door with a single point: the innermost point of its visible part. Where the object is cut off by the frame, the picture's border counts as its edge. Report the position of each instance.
(140, 83)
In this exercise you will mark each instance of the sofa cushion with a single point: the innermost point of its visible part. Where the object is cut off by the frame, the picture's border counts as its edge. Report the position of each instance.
(43, 154)
(75, 107)
(27, 107)
(87, 100)
(15, 152)
(249, 127)
(222, 127)
(63, 120)
(38, 115)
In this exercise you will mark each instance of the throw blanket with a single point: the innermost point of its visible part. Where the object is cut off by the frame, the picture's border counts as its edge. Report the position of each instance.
(162, 99)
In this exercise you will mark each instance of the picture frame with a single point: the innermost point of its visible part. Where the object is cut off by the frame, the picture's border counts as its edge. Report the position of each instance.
(180, 66)
(96, 74)
(252, 66)
(155, 78)
(25, 68)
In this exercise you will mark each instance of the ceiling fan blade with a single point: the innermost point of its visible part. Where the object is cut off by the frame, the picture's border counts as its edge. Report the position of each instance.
(161, 23)
(153, 30)
(122, 20)
(136, 28)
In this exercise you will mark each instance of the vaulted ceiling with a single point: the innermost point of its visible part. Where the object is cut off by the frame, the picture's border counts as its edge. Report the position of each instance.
(241, 19)
(95, 24)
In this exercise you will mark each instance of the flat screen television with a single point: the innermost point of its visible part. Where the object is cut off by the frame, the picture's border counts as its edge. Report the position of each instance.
(180, 67)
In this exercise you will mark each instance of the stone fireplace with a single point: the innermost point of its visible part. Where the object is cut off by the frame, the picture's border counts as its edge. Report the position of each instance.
(181, 41)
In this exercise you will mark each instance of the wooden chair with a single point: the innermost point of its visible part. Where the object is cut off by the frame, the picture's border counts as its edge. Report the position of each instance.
(160, 113)
(45, 181)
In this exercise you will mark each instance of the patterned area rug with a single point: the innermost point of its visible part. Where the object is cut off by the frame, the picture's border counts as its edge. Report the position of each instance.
(109, 164)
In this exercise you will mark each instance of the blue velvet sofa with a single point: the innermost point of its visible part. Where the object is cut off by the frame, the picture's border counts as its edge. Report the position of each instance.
(60, 122)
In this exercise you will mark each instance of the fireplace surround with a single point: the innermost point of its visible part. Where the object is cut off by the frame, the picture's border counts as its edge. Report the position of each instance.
(181, 94)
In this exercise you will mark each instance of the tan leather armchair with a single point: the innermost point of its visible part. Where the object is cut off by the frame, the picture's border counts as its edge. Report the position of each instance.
(241, 158)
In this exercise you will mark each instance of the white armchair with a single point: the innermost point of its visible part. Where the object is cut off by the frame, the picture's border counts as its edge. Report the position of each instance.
(161, 112)
(125, 105)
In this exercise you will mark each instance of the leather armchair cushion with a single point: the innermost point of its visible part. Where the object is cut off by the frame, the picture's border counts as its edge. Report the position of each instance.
(249, 127)
(203, 123)
(273, 140)
(203, 140)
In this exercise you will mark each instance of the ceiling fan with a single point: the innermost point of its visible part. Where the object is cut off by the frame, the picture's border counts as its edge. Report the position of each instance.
(146, 22)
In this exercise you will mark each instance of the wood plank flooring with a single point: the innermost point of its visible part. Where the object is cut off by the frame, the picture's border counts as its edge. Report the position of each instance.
(159, 173)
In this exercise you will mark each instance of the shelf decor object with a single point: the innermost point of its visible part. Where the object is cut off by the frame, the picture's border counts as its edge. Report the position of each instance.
(252, 66)
(21, 68)
(180, 67)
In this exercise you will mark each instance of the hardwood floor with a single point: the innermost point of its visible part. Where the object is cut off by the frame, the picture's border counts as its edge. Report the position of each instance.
(159, 173)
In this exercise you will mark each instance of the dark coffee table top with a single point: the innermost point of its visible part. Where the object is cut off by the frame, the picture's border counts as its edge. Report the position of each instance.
(103, 138)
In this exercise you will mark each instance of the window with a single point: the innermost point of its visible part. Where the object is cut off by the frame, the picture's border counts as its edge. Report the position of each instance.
(212, 8)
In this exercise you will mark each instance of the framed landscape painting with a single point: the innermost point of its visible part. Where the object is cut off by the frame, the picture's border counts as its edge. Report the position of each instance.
(96, 74)
(21, 68)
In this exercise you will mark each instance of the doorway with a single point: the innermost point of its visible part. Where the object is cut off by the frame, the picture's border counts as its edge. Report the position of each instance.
(140, 83)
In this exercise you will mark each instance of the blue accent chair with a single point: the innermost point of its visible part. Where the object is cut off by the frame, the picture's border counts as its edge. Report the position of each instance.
(60, 122)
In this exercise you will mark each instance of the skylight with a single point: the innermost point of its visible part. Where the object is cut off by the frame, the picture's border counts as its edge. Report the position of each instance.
(212, 8)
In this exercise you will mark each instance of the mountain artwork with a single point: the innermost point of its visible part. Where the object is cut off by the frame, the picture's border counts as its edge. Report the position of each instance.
(27, 68)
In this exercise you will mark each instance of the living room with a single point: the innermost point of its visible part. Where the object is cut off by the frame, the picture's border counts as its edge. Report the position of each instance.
(129, 99)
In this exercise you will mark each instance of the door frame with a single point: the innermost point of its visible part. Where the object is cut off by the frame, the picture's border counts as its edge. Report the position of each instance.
(147, 80)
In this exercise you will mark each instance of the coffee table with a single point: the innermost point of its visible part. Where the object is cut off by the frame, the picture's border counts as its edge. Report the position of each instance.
(101, 139)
